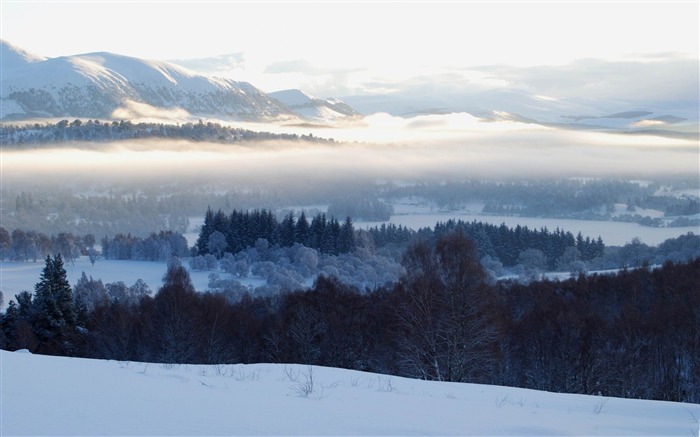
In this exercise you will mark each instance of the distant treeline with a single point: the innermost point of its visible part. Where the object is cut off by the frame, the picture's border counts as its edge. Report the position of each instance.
(583, 199)
(101, 131)
(634, 334)
(239, 230)
(501, 242)
(20, 245)
(156, 247)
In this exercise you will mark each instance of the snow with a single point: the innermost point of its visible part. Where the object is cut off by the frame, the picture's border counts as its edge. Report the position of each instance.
(43, 395)
(10, 107)
(612, 233)
(621, 209)
(20, 276)
(291, 97)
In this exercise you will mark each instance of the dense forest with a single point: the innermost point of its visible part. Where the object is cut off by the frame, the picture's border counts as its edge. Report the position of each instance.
(96, 131)
(630, 334)
(239, 230)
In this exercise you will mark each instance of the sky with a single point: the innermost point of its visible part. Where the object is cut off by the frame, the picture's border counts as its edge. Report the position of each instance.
(346, 48)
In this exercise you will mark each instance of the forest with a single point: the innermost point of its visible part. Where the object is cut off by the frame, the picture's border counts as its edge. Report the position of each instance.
(90, 131)
(629, 334)
(105, 209)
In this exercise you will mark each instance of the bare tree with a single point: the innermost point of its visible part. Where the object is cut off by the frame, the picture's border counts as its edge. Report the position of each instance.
(445, 326)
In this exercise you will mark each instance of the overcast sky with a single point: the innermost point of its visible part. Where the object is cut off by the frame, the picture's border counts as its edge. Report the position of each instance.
(346, 48)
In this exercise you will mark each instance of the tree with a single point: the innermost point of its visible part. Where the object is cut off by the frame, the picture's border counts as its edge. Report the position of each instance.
(5, 244)
(534, 262)
(287, 230)
(90, 293)
(302, 230)
(216, 244)
(444, 314)
(175, 324)
(55, 308)
(93, 255)
(346, 237)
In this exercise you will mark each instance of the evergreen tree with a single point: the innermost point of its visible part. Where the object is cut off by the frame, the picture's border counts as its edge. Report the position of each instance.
(204, 232)
(302, 230)
(55, 314)
(346, 237)
(287, 230)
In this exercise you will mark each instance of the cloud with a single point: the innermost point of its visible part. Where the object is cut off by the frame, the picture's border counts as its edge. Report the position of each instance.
(291, 66)
(659, 78)
(214, 65)
(143, 112)
(421, 148)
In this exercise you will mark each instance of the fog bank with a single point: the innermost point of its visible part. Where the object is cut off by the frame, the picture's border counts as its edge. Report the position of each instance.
(432, 147)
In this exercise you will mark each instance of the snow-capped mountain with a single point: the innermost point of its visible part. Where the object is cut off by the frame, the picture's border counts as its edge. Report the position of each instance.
(313, 108)
(94, 85)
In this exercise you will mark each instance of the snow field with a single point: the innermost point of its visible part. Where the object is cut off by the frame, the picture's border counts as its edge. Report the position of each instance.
(43, 395)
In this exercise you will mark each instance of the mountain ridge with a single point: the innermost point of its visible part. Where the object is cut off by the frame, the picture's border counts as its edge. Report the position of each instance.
(96, 85)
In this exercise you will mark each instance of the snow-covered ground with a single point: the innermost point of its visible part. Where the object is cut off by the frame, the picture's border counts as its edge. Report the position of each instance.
(612, 233)
(44, 395)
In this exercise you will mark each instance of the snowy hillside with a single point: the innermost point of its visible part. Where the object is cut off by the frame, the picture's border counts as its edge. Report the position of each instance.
(43, 395)
(96, 84)
(314, 109)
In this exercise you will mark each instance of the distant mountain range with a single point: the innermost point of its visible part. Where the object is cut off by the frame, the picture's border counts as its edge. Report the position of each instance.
(109, 86)
(502, 104)
(95, 85)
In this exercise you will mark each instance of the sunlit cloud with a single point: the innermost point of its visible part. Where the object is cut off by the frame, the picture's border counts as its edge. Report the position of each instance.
(143, 112)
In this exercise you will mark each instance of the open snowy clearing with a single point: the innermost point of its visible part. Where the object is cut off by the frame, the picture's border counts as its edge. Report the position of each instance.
(43, 395)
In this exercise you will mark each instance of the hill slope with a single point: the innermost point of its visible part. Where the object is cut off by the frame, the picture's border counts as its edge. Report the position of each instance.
(315, 109)
(94, 85)
(44, 395)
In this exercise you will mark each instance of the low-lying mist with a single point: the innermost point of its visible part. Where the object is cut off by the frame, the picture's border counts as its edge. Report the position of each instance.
(380, 147)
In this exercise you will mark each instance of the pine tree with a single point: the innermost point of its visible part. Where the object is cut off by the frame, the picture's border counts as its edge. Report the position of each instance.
(346, 237)
(302, 230)
(205, 231)
(55, 314)
(287, 230)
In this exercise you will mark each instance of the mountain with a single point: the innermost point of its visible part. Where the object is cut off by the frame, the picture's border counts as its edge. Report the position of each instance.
(94, 85)
(313, 108)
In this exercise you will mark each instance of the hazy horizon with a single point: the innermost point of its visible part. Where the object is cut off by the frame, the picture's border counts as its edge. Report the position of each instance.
(588, 58)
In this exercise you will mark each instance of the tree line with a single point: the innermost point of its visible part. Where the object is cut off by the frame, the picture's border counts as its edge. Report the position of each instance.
(159, 246)
(632, 334)
(235, 232)
(102, 131)
(20, 245)
(501, 242)
(583, 199)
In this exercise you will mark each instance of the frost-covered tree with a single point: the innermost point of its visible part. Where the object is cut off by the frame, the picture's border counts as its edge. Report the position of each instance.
(534, 262)
(5, 244)
(216, 244)
(90, 293)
